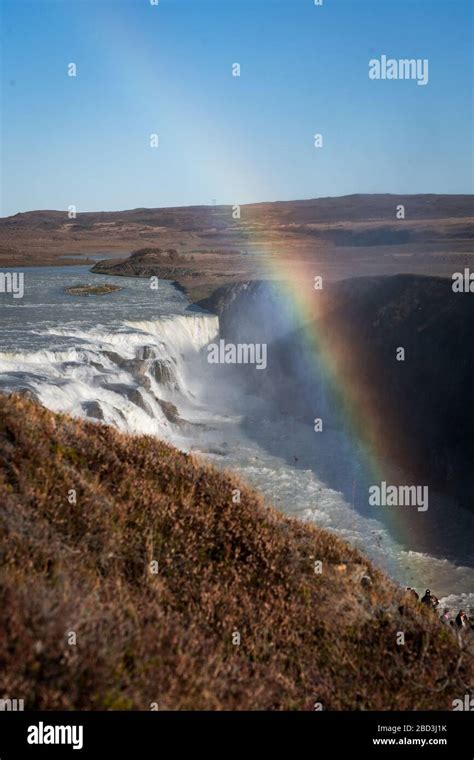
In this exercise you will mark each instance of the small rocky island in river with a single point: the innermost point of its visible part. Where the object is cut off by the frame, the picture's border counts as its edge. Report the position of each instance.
(92, 290)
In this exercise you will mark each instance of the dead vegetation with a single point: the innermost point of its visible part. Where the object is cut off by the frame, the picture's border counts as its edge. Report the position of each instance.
(223, 567)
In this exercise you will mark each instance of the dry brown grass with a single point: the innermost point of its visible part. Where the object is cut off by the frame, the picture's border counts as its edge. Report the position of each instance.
(223, 567)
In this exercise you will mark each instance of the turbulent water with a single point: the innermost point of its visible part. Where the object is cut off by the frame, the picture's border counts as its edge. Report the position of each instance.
(136, 359)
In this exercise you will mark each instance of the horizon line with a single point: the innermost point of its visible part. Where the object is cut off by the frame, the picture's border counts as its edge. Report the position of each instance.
(230, 205)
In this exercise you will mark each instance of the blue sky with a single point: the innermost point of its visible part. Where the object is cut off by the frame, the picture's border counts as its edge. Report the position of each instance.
(143, 69)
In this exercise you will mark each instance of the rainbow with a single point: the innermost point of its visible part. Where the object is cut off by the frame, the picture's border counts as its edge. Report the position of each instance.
(339, 366)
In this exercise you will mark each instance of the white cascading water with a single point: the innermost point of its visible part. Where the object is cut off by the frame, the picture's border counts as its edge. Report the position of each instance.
(117, 376)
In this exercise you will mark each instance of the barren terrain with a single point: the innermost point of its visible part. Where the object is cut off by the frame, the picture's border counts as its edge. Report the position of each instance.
(334, 237)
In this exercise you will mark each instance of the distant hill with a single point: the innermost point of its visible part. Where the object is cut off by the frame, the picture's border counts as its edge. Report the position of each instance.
(342, 237)
(346, 208)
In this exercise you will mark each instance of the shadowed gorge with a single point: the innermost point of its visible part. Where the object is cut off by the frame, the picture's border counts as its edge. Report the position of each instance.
(422, 419)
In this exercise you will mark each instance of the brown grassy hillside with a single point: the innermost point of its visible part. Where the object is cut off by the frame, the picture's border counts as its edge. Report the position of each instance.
(166, 638)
